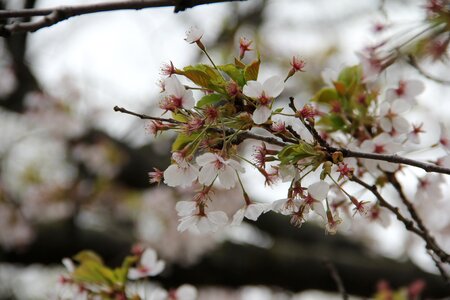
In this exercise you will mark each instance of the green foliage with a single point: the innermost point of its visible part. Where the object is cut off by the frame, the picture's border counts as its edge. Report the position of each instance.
(210, 99)
(235, 73)
(251, 71)
(182, 140)
(92, 271)
(293, 153)
(206, 77)
(348, 102)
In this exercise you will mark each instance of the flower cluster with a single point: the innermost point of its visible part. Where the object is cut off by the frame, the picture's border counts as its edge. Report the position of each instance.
(313, 147)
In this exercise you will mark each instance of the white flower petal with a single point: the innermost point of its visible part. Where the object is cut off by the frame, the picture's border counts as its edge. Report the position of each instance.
(148, 258)
(400, 106)
(174, 87)
(193, 35)
(157, 268)
(217, 217)
(236, 165)
(206, 158)
(188, 101)
(204, 225)
(253, 89)
(253, 211)
(186, 292)
(187, 223)
(273, 86)
(185, 208)
(134, 274)
(261, 114)
(238, 217)
(228, 177)
(173, 176)
(400, 124)
(319, 190)
(317, 207)
(207, 174)
(386, 124)
(68, 263)
(414, 88)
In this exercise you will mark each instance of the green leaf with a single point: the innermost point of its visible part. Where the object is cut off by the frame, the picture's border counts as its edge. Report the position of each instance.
(179, 117)
(326, 96)
(251, 71)
(278, 110)
(333, 122)
(86, 256)
(122, 272)
(234, 72)
(205, 76)
(293, 153)
(209, 100)
(182, 140)
(350, 77)
(94, 273)
(239, 64)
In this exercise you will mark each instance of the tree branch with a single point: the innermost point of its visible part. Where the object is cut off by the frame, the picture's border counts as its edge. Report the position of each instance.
(240, 137)
(430, 240)
(409, 224)
(51, 16)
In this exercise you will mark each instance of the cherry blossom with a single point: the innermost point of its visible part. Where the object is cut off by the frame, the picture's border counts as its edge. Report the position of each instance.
(203, 222)
(406, 90)
(156, 176)
(429, 187)
(381, 144)
(186, 208)
(181, 173)
(214, 165)
(147, 266)
(444, 139)
(251, 212)
(379, 214)
(333, 221)
(193, 35)
(177, 96)
(297, 64)
(287, 206)
(264, 93)
(316, 193)
(244, 46)
(372, 65)
(391, 116)
(415, 134)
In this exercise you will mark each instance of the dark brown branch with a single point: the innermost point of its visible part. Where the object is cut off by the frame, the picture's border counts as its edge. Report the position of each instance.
(51, 16)
(350, 153)
(394, 159)
(430, 240)
(240, 137)
(145, 117)
(409, 224)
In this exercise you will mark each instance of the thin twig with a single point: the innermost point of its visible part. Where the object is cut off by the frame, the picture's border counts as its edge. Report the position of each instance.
(145, 117)
(238, 139)
(51, 16)
(430, 240)
(337, 279)
(409, 224)
(438, 265)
